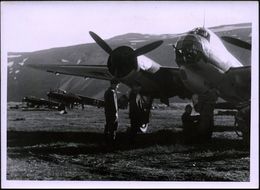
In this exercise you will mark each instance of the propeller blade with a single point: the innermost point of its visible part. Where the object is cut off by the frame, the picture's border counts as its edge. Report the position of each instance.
(147, 48)
(101, 42)
(237, 42)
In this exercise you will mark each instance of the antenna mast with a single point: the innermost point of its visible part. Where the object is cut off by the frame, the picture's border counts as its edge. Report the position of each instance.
(204, 18)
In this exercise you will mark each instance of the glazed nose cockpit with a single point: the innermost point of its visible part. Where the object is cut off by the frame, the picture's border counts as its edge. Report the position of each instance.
(189, 49)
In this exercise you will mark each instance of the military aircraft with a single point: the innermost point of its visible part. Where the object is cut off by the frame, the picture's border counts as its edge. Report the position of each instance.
(69, 99)
(206, 70)
(37, 102)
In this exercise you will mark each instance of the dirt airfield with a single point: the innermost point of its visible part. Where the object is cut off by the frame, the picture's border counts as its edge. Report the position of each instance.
(45, 145)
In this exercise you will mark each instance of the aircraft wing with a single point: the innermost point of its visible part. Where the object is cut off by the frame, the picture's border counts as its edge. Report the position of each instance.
(167, 83)
(86, 71)
(238, 78)
(240, 75)
(92, 101)
(164, 83)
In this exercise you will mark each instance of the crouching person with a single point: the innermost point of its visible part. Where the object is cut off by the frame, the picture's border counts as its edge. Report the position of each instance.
(190, 125)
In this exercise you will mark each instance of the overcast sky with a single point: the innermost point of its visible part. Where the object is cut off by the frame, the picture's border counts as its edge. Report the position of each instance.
(31, 26)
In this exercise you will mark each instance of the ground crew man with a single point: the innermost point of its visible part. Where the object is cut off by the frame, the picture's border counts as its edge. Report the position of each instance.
(190, 124)
(111, 112)
(139, 112)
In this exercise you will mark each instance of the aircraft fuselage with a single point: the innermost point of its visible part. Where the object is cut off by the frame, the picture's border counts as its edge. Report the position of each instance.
(203, 61)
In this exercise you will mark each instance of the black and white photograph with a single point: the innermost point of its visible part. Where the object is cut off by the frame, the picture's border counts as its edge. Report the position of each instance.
(129, 94)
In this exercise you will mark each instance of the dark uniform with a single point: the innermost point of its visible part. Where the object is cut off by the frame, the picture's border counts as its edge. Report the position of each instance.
(190, 126)
(139, 111)
(134, 113)
(111, 113)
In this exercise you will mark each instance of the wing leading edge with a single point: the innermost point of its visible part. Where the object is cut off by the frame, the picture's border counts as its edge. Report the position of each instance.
(167, 82)
(167, 79)
(236, 84)
(86, 71)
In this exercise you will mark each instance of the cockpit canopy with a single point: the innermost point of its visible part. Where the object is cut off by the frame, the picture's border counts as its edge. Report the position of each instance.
(202, 32)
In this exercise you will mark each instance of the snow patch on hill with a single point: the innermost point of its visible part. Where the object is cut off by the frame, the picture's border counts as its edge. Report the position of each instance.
(12, 56)
(22, 63)
(10, 64)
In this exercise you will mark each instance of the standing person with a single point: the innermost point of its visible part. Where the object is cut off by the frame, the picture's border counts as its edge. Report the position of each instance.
(82, 106)
(134, 115)
(111, 112)
(139, 112)
(190, 124)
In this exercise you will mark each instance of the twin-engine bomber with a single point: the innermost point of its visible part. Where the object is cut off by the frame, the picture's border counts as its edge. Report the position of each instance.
(206, 70)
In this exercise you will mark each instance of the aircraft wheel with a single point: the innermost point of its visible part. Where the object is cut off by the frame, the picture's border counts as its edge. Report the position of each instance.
(244, 129)
(246, 137)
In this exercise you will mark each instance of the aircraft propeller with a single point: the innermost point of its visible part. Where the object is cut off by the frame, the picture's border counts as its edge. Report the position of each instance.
(101, 42)
(147, 48)
(123, 59)
(237, 42)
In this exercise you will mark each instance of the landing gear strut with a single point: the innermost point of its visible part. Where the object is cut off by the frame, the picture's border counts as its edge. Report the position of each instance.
(205, 107)
(242, 122)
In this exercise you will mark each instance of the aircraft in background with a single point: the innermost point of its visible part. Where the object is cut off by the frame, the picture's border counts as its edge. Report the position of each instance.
(69, 99)
(206, 70)
(33, 102)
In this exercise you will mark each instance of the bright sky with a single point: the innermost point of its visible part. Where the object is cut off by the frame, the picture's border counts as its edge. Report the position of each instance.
(31, 26)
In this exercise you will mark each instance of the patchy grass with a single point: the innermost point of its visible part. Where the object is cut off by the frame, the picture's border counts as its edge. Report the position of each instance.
(48, 146)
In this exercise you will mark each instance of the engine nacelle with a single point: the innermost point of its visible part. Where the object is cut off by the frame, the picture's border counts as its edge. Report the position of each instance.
(135, 77)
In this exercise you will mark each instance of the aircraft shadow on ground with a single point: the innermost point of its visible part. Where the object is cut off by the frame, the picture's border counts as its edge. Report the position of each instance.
(74, 143)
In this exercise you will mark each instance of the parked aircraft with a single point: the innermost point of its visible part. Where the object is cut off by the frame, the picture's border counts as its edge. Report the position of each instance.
(206, 70)
(38, 102)
(69, 99)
